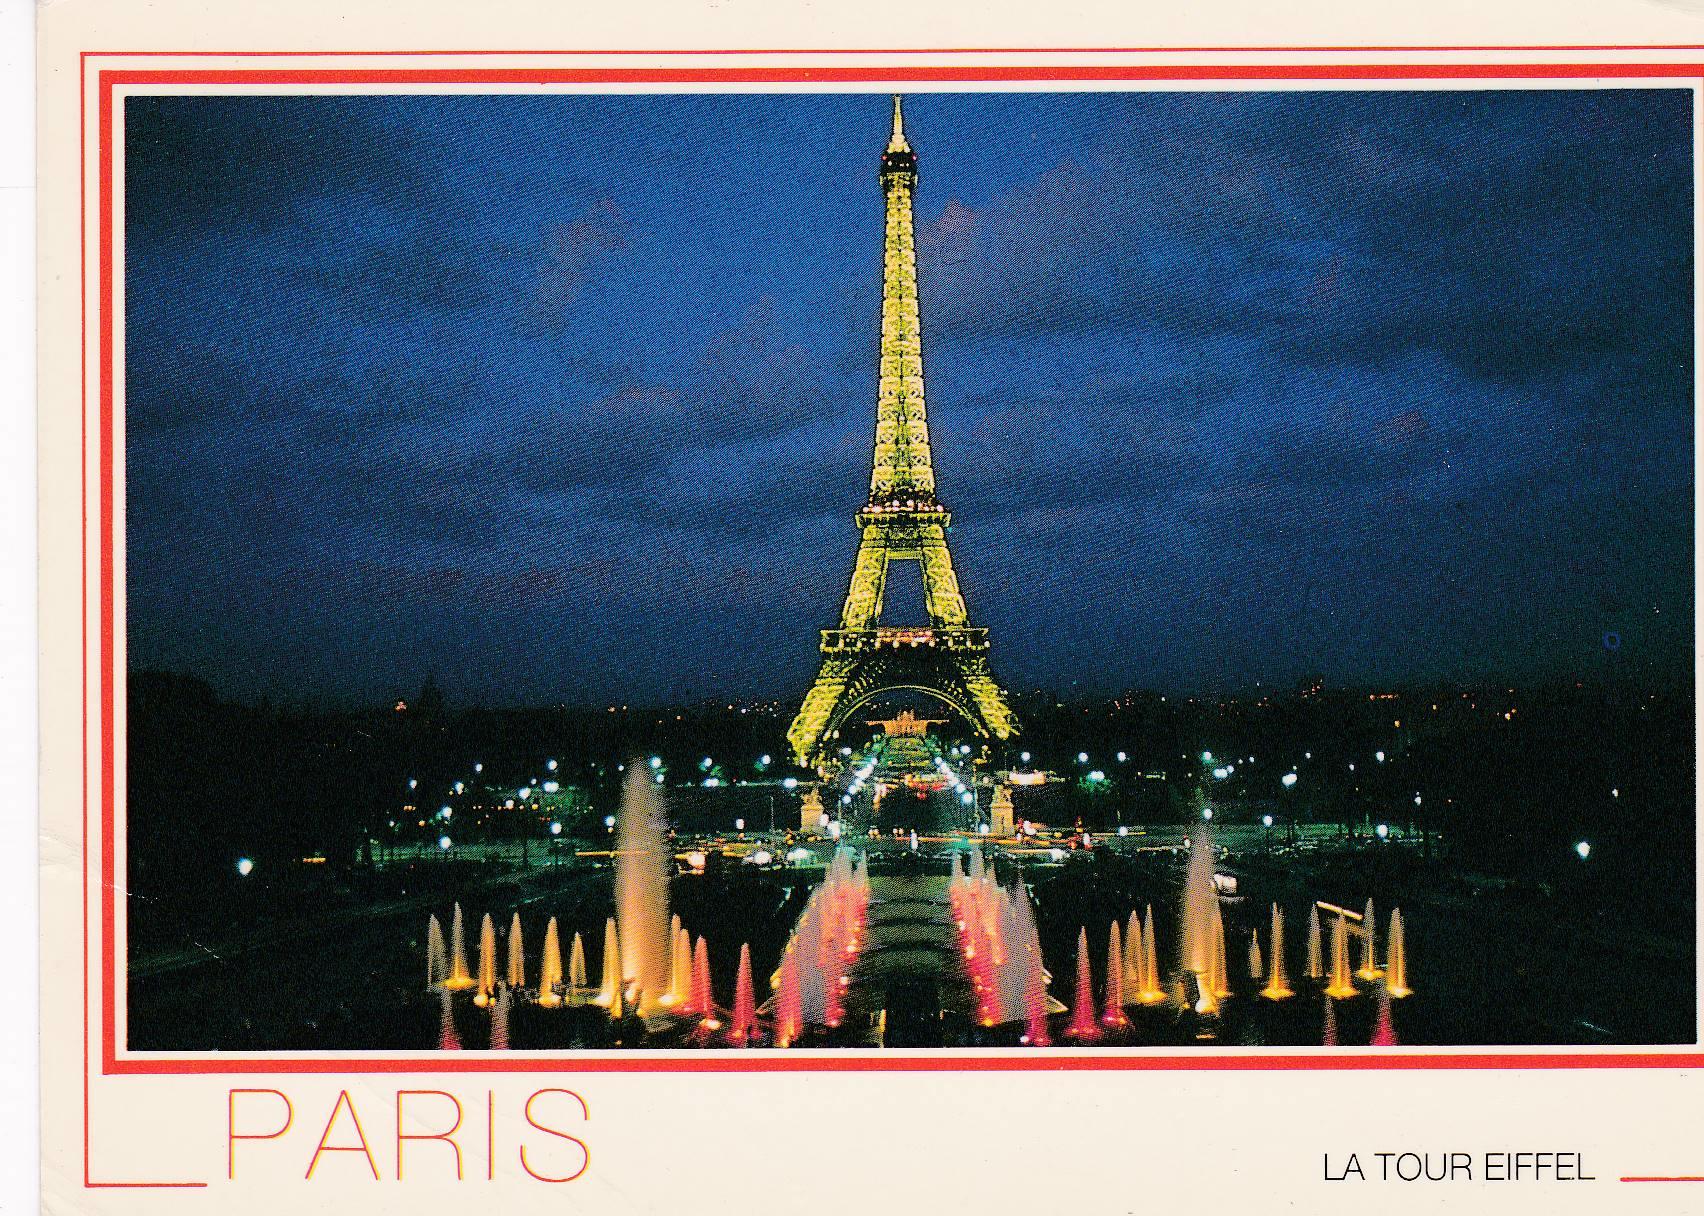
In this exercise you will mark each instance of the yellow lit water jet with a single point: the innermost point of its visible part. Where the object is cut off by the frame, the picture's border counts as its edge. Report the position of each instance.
(1150, 992)
(610, 992)
(550, 967)
(459, 977)
(1316, 963)
(487, 962)
(642, 864)
(577, 986)
(1396, 960)
(1341, 985)
(1369, 969)
(1256, 966)
(517, 974)
(1219, 972)
(1277, 985)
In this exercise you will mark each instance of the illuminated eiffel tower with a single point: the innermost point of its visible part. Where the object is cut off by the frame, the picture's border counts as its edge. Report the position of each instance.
(903, 521)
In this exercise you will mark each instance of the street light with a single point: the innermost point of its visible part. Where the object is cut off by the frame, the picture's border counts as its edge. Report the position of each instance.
(245, 866)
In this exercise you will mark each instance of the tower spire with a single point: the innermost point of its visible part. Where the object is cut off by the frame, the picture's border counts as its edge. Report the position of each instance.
(897, 143)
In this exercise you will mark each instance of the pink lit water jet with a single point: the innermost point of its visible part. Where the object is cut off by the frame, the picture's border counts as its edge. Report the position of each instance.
(703, 999)
(1082, 1025)
(789, 1006)
(745, 1008)
(1112, 1005)
(437, 955)
(448, 1040)
(1384, 1030)
(500, 1020)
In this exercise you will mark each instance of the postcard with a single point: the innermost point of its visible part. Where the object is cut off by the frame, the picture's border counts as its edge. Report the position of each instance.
(698, 613)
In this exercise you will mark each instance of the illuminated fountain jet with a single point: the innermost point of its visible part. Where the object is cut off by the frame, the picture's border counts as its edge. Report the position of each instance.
(1082, 1025)
(1277, 985)
(578, 989)
(500, 1019)
(1112, 1002)
(550, 967)
(459, 977)
(448, 1040)
(1396, 959)
(1342, 985)
(437, 955)
(1369, 968)
(517, 974)
(643, 862)
(487, 962)
(1316, 960)
(1150, 992)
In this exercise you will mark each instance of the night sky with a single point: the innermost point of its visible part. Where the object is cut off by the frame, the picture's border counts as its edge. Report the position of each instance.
(571, 398)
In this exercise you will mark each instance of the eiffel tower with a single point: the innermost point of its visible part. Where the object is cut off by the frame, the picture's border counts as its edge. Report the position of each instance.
(903, 521)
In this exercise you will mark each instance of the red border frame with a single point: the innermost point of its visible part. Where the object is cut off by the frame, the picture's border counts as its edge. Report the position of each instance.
(108, 79)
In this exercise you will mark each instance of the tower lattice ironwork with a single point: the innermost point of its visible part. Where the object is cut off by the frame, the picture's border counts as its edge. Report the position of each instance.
(903, 521)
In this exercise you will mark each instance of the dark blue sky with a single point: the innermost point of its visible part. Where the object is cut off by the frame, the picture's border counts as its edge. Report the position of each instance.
(571, 398)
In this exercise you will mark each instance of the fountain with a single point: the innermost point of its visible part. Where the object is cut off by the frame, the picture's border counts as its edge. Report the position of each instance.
(517, 975)
(487, 962)
(1277, 985)
(680, 965)
(1133, 965)
(1219, 973)
(703, 998)
(550, 966)
(1396, 959)
(437, 957)
(1112, 1005)
(1256, 966)
(1316, 964)
(500, 1020)
(789, 1007)
(1083, 1012)
(1328, 1036)
(448, 1040)
(1035, 992)
(1384, 1030)
(1369, 969)
(459, 977)
(642, 865)
(1200, 903)
(827, 939)
(577, 985)
(1150, 992)
(745, 1010)
(1341, 985)
(610, 992)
